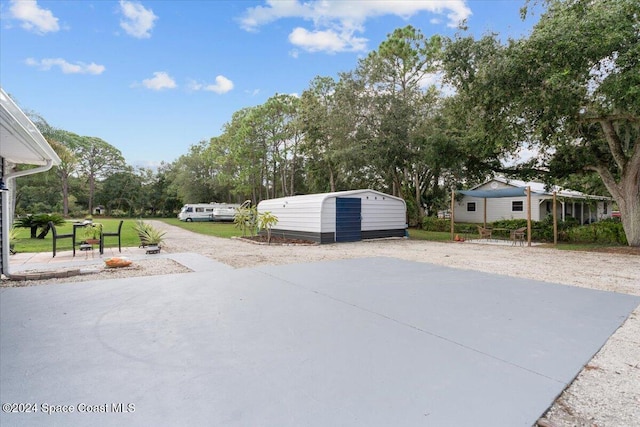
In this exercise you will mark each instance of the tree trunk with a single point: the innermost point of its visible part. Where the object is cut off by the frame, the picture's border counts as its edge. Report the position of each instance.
(629, 206)
(92, 189)
(332, 182)
(418, 198)
(293, 171)
(274, 180)
(626, 191)
(283, 178)
(45, 231)
(65, 195)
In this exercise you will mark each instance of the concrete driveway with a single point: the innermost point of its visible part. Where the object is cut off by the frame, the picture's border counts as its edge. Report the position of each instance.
(364, 342)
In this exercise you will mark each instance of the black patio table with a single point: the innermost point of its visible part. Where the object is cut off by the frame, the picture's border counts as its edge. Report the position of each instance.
(77, 225)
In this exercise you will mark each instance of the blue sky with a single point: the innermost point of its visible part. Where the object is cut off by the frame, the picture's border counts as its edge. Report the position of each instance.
(155, 77)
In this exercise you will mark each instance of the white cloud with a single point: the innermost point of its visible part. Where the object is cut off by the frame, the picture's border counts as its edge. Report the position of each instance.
(222, 85)
(138, 21)
(326, 41)
(66, 67)
(336, 23)
(437, 79)
(33, 17)
(260, 15)
(159, 81)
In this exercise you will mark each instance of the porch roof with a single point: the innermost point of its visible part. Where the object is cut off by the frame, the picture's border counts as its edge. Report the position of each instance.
(517, 188)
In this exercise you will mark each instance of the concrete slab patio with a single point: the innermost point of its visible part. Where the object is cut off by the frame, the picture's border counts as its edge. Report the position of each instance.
(364, 342)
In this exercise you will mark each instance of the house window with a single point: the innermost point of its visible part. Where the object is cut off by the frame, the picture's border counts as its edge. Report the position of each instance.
(517, 206)
(605, 208)
(471, 206)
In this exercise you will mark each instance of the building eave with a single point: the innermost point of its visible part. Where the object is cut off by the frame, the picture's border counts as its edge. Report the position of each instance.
(20, 140)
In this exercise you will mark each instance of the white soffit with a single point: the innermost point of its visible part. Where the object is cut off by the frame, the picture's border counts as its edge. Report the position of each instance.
(20, 141)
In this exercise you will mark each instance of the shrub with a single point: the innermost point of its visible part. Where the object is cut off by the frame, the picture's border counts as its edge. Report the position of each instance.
(606, 232)
(118, 213)
(431, 223)
(510, 224)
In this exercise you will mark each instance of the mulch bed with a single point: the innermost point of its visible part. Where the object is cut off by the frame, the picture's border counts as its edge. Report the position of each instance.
(278, 240)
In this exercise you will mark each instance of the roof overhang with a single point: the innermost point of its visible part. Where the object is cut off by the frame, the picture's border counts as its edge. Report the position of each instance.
(20, 140)
(517, 188)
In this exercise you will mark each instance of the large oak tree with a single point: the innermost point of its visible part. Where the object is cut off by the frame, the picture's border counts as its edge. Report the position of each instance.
(571, 90)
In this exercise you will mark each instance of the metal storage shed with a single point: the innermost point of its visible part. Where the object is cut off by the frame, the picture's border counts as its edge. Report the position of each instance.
(344, 216)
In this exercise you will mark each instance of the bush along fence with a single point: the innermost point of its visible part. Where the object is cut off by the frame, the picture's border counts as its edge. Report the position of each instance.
(605, 232)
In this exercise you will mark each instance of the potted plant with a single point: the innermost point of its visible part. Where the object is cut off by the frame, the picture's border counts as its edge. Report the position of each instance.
(150, 237)
(92, 233)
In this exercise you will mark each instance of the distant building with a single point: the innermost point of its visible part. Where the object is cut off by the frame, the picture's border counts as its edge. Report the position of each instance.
(570, 203)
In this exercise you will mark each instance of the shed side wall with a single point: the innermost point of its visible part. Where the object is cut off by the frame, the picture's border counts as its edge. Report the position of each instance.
(383, 213)
(296, 214)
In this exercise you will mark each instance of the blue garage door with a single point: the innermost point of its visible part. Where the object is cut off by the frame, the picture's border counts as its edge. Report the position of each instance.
(348, 219)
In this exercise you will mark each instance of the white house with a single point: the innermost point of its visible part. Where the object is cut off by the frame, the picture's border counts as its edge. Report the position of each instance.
(343, 216)
(20, 143)
(479, 204)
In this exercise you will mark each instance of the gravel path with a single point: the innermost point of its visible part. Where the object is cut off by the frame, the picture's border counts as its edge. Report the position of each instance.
(607, 391)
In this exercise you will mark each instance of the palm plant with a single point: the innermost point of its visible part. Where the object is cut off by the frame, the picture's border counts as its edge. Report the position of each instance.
(246, 219)
(266, 220)
(149, 235)
(38, 221)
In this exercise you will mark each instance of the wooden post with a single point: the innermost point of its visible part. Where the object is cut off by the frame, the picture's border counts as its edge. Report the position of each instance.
(452, 215)
(528, 216)
(555, 221)
(484, 224)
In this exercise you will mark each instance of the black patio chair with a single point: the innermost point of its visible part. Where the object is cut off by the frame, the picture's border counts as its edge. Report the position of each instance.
(57, 236)
(114, 234)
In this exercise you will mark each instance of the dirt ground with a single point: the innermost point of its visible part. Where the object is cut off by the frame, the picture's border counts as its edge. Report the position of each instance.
(607, 391)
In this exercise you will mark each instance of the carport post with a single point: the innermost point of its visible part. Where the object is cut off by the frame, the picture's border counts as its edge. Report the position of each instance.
(453, 200)
(528, 216)
(555, 221)
(484, 224)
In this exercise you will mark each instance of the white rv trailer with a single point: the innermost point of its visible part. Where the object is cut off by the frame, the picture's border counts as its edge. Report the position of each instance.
(208, 212)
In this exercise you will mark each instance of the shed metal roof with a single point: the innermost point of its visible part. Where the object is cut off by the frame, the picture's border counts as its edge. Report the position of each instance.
(323, 196)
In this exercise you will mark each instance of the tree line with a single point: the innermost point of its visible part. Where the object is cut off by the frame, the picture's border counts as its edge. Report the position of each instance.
(568, 91)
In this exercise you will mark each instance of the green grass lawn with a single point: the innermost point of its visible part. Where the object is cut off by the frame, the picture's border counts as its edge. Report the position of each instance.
(434, 236)
(129, 237)
(218, 229)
